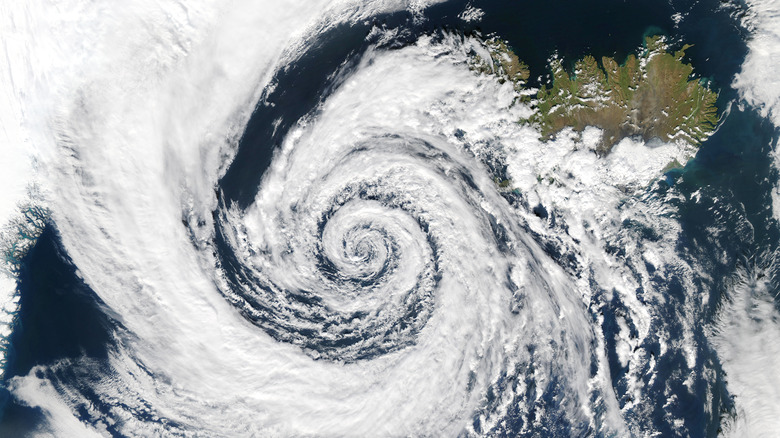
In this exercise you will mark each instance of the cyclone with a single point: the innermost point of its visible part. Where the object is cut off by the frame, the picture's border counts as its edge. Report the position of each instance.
(383, 246)
(335, 219)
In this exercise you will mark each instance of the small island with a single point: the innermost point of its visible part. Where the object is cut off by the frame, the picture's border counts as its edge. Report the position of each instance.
(651, 95)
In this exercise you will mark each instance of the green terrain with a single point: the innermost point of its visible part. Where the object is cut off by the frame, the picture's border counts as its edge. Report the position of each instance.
(504, 63)
(651, 95)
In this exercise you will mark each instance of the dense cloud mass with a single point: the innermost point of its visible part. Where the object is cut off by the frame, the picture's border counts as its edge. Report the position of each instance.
(319, 219)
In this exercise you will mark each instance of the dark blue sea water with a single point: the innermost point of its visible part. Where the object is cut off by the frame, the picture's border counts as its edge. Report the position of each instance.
(62, 318)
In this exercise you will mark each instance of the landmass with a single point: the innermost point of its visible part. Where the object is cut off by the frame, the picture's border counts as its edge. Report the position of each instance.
(651, 95)
(504, 63)
(20, 234)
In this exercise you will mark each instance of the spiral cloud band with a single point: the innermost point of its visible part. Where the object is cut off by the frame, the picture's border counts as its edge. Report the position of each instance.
(323, 220)
(376, 242)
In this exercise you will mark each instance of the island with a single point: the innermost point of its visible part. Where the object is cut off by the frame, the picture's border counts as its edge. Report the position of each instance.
(652, 95)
